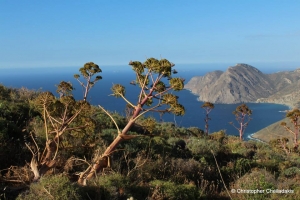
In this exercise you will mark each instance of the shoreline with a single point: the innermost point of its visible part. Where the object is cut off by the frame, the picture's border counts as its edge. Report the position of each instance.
(250, 136)
(255, 139)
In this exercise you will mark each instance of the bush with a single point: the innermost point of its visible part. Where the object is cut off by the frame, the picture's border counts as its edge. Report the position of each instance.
(243, 165)
(52, 187)
(185, 170)
(195, 131)
(202, 146)
(287, 184)
(238, 147)
(258, 179)
(111, 186)
(218, 136)
(292, 171)
(169, 190)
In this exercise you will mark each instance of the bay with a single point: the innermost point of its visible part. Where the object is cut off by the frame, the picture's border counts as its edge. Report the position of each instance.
(46, 79)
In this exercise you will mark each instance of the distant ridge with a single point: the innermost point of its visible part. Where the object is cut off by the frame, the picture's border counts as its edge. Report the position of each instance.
(245, 83)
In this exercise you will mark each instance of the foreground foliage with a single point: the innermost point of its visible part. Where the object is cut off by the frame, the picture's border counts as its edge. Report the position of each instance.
(170, 163)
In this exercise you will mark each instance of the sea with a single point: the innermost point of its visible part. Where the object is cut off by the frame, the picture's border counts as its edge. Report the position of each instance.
(46, 79)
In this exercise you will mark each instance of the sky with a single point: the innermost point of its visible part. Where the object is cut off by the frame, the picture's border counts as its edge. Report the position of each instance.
(39, 33)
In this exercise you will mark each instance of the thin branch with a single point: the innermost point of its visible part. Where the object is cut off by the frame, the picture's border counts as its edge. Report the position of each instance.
(151, 75)
(150, 109)
(83, 160)
(65, 114)
(49, 117)
(43, 153)
(70, 129)
(166, 90)
(29, 149)
(289, 130)
(55, 120)
(87, 87)
(69, 121)
(235, 126)
(111, 118)
(126, 100)
(57, 146)
(45, 121)
(81, 83)
(36, 146)
(220, 174)
(157, 79)
(48, 193)
(83, 86)
(144, 84)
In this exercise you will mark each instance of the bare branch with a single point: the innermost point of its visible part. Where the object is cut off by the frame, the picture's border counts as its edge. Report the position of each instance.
(126, 100)
(111, 118)
(142, 113)
(144, 84)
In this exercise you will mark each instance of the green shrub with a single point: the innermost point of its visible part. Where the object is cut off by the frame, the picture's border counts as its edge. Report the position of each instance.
(171, 191)
(111, 186)
(203, 146)
(284, 183)
(243, 165)
(52, 187)
(218, 136)
(236, 146)
(195, 131)
(173, 140)
(159, 146)
(185, 170)
(258, 179)
(292, 171)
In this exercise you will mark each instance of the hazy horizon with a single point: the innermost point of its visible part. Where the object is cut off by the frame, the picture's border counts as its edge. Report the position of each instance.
(264, 67)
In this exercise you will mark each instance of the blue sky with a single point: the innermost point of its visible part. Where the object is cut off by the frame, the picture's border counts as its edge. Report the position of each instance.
(109, 32)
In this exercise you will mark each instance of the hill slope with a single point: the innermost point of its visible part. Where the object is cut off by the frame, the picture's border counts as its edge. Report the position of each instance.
(274, 131)
(245, 83)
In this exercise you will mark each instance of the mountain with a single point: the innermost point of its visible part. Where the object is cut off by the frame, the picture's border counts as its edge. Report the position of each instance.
(286, 85)
(245, 83)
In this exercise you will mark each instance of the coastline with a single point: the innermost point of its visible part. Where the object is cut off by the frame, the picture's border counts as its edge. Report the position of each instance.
(250, 137)
(289, 106)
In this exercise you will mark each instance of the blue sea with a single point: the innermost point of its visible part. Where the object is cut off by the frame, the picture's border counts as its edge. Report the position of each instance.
(46, 79)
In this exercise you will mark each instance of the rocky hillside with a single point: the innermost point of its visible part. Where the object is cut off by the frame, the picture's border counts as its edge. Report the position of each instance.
(244, 83)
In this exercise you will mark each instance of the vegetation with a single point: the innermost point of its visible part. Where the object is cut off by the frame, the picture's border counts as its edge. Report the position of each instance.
(293, 115)
(149, 77)
(48, 141)
(207, 106)
(63, 118)
(242, 115)
(88, 71)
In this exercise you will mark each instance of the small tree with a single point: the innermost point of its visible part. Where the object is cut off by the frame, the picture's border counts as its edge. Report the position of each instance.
(281, 143)
(149, 77)
(61, 116)
(207, 106)
(87, 71)
(294, 117)
(64, 89)
(242, 115)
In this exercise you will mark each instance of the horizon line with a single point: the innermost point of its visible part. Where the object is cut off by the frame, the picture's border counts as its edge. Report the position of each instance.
(226, 64)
